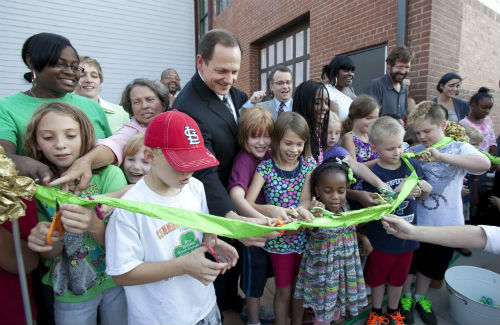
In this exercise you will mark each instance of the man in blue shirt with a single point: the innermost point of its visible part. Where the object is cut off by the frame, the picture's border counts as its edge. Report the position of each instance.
(389, 90)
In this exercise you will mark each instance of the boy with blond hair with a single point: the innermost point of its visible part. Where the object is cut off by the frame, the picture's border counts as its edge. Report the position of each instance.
(163, 269)
(444, 169)
(390, 260)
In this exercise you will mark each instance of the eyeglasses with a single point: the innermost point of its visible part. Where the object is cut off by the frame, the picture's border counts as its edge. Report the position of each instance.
(281, 83)
(173, 78)
(74, 68)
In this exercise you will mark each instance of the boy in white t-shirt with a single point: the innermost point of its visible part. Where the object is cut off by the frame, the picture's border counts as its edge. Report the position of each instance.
(163, 269)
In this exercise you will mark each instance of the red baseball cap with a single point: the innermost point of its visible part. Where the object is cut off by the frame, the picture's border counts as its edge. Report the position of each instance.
(179, 138)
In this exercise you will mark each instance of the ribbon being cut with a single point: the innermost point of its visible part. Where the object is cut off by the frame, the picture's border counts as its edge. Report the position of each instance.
(205, 222)
(199, 221)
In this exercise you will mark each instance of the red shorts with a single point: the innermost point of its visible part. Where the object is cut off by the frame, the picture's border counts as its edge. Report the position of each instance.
(285, 267)
(382, 268)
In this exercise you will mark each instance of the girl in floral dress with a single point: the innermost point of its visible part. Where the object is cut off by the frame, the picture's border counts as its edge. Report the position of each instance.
(282, 178)
(330, 279)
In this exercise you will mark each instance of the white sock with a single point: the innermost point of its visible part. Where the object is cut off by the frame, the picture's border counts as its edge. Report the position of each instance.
(258, 323)
(416, 296)
(407, 293)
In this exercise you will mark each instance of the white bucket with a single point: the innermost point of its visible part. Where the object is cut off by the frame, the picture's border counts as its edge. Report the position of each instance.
(466, 286)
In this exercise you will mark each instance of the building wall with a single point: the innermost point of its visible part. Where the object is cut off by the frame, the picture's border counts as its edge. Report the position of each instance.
(445, 35)
(130, 39)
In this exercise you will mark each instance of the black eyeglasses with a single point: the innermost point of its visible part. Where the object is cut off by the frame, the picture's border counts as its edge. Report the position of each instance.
(74, 68)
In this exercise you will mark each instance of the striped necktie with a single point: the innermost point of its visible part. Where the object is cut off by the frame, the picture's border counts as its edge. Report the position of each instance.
(281, 108)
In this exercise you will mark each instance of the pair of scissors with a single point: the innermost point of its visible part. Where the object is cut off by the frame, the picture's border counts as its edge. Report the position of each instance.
(218, 259)
(56, 225)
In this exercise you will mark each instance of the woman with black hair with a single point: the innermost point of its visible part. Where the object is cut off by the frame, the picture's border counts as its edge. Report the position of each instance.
(311, 100)
(54, 74)
(448, 88)
(340, 72)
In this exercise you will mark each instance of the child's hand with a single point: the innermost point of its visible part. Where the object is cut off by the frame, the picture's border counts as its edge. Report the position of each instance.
(426, 189)
(365, 247)
(495, 201)
(37, 238)
(315, 203)
(431, 155)
(226, 251)
(284, 214)
(199, 267)
(303, 214)
(78, 219)
(106, 210)
(367, 199)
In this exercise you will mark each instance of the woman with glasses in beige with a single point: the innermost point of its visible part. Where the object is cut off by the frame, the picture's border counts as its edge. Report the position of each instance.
(54, 73)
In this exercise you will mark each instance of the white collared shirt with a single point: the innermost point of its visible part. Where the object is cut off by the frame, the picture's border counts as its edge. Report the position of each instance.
(221, 97)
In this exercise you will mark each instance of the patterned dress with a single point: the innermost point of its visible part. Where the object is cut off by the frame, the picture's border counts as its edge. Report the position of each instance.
(282, 188)
(363, 154)
(330, 279)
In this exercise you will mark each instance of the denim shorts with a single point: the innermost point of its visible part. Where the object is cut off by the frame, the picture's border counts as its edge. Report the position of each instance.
(111, 303)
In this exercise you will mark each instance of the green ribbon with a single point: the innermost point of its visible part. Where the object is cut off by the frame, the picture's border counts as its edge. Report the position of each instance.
(493, 159)
(241, 229)
(225, 226)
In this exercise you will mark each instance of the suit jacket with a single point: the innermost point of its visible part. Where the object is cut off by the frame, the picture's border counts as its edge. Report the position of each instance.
(270, 105)
(218, 128)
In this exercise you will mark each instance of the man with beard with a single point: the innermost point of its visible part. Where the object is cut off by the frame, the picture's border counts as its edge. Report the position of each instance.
(171, 80)
(280, 87)
(389, 90)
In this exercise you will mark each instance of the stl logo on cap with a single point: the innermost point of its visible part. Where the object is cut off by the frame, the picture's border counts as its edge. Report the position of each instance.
(191, 135)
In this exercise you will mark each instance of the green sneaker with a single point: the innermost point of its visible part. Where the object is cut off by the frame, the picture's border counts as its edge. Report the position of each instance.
(406, 307)
(423, 305)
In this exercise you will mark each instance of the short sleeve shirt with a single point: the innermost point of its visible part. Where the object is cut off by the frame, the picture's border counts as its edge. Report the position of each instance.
(283, 189)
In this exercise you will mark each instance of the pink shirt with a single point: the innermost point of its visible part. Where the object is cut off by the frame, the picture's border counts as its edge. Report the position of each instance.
(118, 141)
(486, 128)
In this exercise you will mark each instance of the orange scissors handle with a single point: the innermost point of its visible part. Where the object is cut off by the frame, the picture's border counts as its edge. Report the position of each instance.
(56, 225)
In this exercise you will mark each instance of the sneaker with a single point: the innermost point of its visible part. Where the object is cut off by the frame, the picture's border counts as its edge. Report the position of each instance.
(376, 319)
(266, 315)
(406, 307)
(395, 318)
(423, 305)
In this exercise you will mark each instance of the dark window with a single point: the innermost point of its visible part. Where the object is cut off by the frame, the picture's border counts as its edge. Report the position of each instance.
(370, 64)
(203, 5)
(221, 5)
(290, 49)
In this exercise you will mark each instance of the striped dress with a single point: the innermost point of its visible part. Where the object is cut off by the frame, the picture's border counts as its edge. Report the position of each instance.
(330, 279)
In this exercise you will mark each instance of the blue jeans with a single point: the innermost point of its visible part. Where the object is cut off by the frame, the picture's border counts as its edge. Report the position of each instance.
(111, 303)
(213, 317)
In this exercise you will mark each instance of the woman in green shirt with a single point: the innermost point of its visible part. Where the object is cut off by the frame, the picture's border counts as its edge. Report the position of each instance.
(54, 74)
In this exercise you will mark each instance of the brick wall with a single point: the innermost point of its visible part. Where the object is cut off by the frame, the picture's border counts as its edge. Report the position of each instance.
(480, 53)
(445, 35)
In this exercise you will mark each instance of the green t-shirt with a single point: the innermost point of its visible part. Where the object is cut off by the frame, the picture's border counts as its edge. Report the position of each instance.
(16, 111)
(79, 272)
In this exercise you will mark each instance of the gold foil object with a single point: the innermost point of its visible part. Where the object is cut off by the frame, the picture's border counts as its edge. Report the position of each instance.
(455, 131)
(12, 189)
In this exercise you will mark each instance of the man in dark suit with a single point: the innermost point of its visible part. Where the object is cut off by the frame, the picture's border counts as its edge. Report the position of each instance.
(213, 103)
(203, 98)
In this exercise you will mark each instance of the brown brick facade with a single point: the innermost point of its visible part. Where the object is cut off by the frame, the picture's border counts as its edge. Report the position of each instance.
(446, 35)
